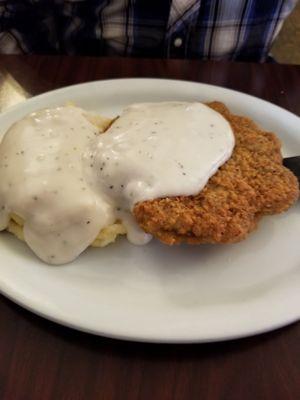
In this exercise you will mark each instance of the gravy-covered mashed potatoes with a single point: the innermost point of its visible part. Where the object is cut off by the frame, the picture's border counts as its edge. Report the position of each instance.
(64, 186)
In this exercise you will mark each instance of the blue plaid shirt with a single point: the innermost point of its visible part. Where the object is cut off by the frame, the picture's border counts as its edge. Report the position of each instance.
(203, 29)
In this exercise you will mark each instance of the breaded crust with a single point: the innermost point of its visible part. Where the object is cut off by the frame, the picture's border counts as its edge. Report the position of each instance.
(251, 184)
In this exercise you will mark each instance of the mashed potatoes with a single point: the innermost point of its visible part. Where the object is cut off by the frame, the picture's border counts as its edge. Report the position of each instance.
(105, 236)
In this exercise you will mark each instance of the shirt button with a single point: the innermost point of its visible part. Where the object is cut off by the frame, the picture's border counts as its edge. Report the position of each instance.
(178, 42)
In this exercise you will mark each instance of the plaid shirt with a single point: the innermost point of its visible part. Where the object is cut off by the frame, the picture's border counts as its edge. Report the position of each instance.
(204, 29)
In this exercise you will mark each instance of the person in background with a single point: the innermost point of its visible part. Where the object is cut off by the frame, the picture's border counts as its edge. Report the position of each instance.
(241, 30)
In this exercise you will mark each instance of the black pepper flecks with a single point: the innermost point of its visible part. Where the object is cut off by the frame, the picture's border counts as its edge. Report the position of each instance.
(180, 165)
(88, 222)
(111, 186)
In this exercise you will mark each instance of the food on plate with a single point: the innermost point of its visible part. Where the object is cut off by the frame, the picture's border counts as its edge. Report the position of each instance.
(44, 196)
(106, 236)
(251, 184)
(182, 172)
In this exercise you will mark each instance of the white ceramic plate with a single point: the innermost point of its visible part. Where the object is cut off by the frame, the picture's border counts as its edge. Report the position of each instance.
(159, 293)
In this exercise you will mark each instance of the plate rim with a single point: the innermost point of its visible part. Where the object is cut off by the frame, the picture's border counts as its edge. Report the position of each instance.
(107, 81)
(148, 339)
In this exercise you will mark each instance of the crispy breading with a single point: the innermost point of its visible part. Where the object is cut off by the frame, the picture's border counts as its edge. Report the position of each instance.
(252, 183)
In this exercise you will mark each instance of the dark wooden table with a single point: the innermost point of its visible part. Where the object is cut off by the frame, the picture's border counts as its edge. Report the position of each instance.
(40, 360)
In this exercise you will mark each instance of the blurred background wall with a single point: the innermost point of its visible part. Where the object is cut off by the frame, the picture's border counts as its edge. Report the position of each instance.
(286, 48)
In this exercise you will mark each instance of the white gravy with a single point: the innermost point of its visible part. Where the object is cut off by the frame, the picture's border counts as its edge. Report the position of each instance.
(67, 182)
